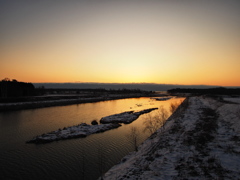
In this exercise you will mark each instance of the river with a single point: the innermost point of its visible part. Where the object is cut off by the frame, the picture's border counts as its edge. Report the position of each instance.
(82, 158)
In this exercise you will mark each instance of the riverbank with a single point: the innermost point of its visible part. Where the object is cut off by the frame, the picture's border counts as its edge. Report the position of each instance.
(199, 141)
(48, 101)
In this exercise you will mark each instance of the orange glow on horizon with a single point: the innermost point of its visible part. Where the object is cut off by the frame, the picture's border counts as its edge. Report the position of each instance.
(158, 42)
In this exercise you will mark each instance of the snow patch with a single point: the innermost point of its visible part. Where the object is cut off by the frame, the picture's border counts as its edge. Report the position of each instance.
(201, 143)
(125, 117)
(81, 130)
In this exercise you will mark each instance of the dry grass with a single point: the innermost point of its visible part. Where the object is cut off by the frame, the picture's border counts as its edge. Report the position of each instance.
(153, 123)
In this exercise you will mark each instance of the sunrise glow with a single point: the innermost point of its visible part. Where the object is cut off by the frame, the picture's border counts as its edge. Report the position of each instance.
(169, 42)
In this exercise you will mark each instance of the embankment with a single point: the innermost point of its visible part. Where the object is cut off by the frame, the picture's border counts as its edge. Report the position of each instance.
(199, 141)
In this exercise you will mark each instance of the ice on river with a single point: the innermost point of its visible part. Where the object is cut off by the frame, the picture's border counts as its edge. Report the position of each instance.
(125, 117)
(81, 130)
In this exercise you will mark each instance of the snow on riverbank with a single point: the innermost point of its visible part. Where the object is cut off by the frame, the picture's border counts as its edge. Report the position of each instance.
(81, 130)
(125, 117)
(202, 142)
(235, 100)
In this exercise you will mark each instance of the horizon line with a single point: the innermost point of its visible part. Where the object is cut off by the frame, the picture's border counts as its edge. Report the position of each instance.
(138, 83)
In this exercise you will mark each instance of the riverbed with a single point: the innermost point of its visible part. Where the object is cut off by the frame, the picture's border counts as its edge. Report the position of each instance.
(82, 158)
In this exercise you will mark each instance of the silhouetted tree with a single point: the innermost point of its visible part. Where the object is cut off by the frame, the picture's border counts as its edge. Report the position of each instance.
(14, 88)
(173, 107)
(101, 161)
(153, 123)
(133, 137)
(6, 79)
(83, 165)
(4, 87)
(41, 90)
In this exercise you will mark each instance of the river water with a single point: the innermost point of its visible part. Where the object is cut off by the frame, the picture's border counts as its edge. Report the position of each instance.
(82, 158)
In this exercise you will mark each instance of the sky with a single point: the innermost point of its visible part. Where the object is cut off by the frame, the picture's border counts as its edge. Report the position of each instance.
(136, 41)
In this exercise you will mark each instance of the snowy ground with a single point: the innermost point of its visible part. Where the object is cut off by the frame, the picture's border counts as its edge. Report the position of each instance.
(235, 100)
(200, 141)
(125, 117)
(81, 130)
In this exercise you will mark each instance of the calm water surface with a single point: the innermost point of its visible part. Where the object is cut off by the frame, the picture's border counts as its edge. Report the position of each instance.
(83, 158)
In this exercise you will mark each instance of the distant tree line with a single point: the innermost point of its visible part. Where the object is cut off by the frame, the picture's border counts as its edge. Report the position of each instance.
(13, 88)
(213, 91)
(97, 90)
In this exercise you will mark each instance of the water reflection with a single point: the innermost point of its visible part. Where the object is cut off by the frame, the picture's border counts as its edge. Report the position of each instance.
(133, 137)
(83, 158)
(153, 123)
